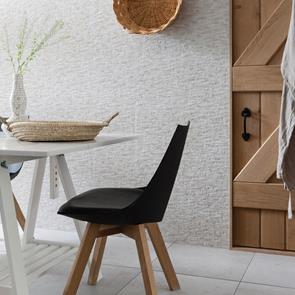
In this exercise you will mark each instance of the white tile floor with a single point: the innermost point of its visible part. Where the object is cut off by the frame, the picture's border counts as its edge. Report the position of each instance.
(201, 271)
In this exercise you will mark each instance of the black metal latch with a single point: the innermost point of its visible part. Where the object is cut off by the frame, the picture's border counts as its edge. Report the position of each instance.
(246, 113)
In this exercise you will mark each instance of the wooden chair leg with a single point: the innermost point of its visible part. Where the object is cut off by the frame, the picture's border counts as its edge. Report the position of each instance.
(145, 260)
(97, 259)
(84, 252)
(163, 256)
(19, 214)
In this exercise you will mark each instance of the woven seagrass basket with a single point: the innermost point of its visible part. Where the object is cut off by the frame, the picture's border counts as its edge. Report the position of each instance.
(57, 130)
(146, 16)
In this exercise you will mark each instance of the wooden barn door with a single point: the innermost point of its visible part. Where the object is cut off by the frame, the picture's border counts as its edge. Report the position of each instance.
(259, 31)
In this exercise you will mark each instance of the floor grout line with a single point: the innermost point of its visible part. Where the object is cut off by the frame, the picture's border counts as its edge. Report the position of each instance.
(237, 288)
(247, 267)
(121, 266)
(244, 274)
(128, 283)
(178, 273)
(203, 277)
(158, 271)
(267, 285)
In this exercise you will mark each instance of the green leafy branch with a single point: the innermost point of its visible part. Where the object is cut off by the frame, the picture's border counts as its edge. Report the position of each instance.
(39, 42)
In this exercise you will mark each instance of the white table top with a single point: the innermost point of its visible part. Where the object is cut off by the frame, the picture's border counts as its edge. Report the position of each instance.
(14, 147)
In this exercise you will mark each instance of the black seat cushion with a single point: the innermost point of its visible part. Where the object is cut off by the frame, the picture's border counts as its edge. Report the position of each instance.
(102, 206)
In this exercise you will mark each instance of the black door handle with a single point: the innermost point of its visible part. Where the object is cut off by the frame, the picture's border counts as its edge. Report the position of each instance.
(246, 113)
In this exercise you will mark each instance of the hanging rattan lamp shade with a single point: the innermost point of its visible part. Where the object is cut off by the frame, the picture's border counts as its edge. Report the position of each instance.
(146, 16)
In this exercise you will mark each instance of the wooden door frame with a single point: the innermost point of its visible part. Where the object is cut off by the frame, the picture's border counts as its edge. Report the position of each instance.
(231, 167)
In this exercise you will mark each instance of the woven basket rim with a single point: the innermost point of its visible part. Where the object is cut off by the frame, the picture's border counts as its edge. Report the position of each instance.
(132, 27)
(57, 130)
(69, 131)
(57, 123)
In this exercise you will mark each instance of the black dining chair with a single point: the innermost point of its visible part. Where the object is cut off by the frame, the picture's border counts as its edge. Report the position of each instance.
(14, 170)
(129, 211)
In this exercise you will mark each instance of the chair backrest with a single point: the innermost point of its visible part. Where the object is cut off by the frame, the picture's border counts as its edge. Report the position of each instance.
(153, 202)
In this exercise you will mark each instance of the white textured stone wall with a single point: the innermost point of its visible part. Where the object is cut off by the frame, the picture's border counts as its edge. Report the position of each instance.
(155, 82)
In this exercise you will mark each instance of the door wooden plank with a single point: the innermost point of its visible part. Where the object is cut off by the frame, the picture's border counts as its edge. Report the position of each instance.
(272, 222)
(277, 58)
(273, 229)
(270, 113)
(270, 101)
(274, 179)
(263, 164)
(242, 150)
(290, 234)
(246, 23)
(267, 8)
(257, 78)
(260, 195)
(269, 38)
(246, 227)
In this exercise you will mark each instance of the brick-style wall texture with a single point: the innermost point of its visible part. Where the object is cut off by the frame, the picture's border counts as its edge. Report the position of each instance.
(155, 82)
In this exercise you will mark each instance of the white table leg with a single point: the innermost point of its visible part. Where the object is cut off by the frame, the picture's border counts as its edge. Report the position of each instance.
(34, 200)
(12, 239)
(53, 175)
(69, 189)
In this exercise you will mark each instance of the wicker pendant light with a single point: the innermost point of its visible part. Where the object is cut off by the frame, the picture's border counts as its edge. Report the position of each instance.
(146, 16)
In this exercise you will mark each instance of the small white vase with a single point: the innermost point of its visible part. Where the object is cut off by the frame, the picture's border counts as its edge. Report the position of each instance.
(18, 100)
(18, 103)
